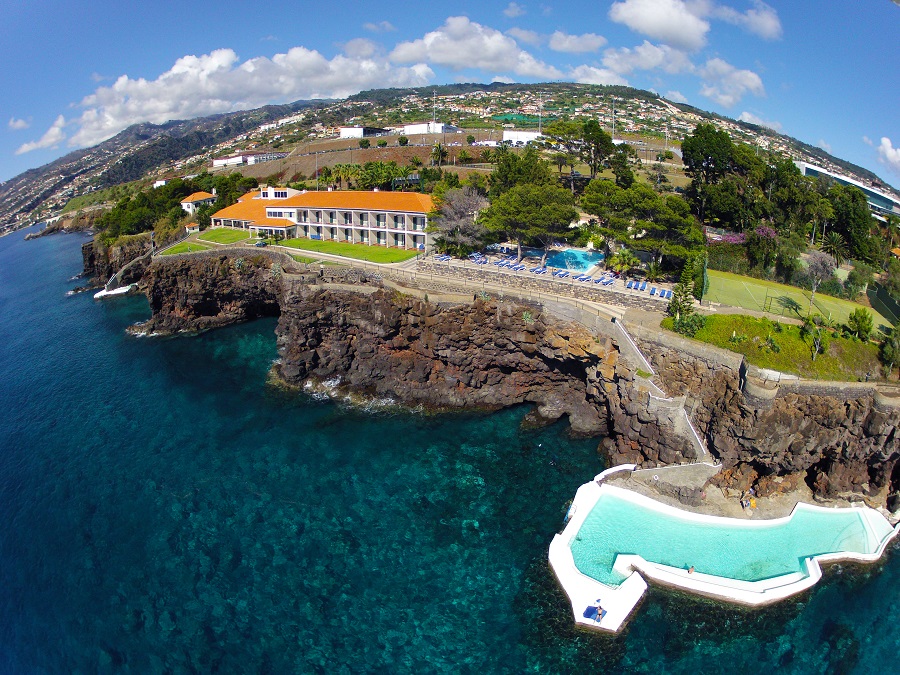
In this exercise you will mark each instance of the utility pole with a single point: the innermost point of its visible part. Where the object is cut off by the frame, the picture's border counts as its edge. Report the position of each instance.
(540, 110)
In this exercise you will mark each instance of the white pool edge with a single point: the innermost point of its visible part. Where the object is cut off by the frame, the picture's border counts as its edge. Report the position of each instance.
(619, 602)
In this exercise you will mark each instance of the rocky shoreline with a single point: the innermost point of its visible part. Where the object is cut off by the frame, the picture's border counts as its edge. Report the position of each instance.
(358, 333)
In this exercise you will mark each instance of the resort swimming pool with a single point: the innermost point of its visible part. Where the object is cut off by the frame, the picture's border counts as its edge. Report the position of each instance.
(571, 258)
(724, 547)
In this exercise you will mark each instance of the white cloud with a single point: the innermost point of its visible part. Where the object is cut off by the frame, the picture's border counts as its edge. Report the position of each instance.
(360, 48)
(576, 44)
(97, 77)
(675, 96)
(461, 43)
(53, 137)
(380, 27)
(513, 10)
(592, 75)
(529, 37)
(726, 85)
(502, 78)
(825, 146)
(218, 82)
(647, 57)
(18, 125)
(868, 141)
(889, 155)
(759, 121)
(762, 20)
(670, 21)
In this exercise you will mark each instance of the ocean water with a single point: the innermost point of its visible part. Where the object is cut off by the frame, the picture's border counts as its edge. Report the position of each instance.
(163, 509)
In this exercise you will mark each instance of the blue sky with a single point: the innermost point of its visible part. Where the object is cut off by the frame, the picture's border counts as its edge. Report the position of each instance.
(825, 72)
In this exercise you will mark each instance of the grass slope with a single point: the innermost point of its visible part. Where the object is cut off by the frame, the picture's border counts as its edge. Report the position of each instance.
(768, 296)
(185, 247)
(223, 236)
(844, 359)
(376, 254)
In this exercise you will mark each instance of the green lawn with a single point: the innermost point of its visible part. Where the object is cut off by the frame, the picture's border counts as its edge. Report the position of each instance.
(844, 359)
(767, 296)
(224, 235)
(377, 254)
(186, 247)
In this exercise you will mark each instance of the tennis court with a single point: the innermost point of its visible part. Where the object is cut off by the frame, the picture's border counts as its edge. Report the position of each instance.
(767, 296)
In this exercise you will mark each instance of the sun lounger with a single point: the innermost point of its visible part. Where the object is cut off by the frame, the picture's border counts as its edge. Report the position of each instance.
(643, 286)
(610, 281)
(562, 274)
(630, 284)
(653, 291)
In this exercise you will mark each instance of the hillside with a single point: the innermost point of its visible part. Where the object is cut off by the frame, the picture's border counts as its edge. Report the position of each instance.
(149, 151)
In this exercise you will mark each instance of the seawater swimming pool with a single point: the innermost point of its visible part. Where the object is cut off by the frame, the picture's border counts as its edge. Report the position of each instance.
(616, 538)
(572, 259)
(724, 547)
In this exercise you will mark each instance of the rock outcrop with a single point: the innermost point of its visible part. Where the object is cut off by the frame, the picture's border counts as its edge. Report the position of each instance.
(373, 339)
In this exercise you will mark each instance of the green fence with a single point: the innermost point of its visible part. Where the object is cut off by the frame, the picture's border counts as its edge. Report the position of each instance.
(883, 303)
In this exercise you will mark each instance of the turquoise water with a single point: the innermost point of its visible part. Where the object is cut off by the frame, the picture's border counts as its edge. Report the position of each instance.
(165, 511)
(733, 550)
(571, 259)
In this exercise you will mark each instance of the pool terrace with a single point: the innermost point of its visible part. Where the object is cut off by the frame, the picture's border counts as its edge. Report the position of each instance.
(617, 539)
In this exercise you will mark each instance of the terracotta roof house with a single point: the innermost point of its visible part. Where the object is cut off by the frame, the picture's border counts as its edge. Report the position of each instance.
(194, 201)
(394, 219)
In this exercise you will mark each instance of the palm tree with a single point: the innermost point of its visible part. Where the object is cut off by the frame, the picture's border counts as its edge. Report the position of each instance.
(404, 172)
(464, 157)
(833, 244)
(438, 154)
(623, 261)
(415, 162)
(653, 271)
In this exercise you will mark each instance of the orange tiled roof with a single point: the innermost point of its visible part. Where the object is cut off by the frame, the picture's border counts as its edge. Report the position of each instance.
(251, 208)
(408, 202)
(197, 197)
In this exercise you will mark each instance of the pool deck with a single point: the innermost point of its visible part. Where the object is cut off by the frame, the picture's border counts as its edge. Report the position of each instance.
(620, 602)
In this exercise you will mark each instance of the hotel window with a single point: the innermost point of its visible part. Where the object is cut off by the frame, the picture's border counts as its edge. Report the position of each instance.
(348, 218)
(364, 219)
(398, 221)
(318, 215)
(280, 194)
(380, 219)
(304, 215)
(264, 194)
(332, 217)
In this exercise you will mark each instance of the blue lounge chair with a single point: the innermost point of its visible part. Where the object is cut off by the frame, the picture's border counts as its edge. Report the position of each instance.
(653, 291)
(643, 286)
(630, 284)
(600, 280)
(563, 274)
(535, 270)
(610, 281)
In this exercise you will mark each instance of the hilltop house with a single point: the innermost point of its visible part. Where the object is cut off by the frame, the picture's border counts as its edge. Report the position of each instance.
(394, 219)
(194, 201)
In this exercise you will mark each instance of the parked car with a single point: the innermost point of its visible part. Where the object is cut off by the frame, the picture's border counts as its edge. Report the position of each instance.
(261, 243)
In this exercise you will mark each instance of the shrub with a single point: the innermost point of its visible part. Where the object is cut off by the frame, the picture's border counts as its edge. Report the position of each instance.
(690, 324)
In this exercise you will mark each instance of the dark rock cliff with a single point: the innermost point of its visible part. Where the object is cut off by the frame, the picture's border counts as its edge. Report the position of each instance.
(492, 354)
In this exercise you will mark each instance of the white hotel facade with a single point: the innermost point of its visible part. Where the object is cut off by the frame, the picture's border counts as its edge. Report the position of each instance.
(392, 219)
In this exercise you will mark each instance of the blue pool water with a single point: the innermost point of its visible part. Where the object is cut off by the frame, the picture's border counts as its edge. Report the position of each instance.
(724, 547)
(570, 258)
(164, 510)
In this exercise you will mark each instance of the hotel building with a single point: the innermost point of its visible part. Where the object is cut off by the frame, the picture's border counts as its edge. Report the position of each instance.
(393, 219)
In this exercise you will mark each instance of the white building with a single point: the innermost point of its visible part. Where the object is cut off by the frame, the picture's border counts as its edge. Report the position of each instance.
(248, 158)
(517, 137)
(360, 132)
(392, 219)
(429, 128)
(194, 201)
